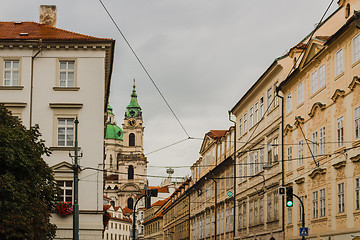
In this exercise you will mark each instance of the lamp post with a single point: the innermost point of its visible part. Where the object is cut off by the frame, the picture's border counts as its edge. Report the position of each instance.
(234, 182)
(76, 186)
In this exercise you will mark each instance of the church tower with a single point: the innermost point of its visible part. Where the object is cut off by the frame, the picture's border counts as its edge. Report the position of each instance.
(125, 160)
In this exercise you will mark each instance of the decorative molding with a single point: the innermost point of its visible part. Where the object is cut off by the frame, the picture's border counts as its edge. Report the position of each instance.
(11, 87)
(299, 120)
(315, 106)
(65, 105)
(317, 171)
(13, 104)
(339, 165)
(300, 180)
(355, 158)
(337, 93)
(63, 167)
(66, 88)
(288, 128)
(353, 83)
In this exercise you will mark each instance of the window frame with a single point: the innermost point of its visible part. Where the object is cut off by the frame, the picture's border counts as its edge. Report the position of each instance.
(65, 188)
(65, 137)
(6, 59)
(300, 93)
(357, 193)
(357, 123)
(356, 48)
(340, 131)
(341, 197)
(288, 103)
(59, 70)
(322, 202)
(339, 62)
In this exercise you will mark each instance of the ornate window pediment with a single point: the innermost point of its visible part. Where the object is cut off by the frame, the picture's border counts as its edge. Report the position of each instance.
(315, 106)
(354, 82)
(299, 120)
(337, 93)
(300, 180)
(316, 172)
(288, 128)
(339, 164)
(355, 158)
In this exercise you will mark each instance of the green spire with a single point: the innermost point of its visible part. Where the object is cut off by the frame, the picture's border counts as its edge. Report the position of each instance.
(133, 109)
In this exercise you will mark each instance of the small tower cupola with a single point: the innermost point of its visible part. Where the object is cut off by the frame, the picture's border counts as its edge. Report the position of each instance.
(133, 110)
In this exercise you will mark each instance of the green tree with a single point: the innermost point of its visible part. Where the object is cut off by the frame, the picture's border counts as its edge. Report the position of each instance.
(27, 186)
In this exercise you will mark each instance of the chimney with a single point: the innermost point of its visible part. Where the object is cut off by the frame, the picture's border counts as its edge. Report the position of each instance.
(48, 15)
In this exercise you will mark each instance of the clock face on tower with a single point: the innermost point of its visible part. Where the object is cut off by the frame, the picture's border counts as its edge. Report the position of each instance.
(132, 122)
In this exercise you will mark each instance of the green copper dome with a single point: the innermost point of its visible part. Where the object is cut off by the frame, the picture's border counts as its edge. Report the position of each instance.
(133, 109)
(113, 132)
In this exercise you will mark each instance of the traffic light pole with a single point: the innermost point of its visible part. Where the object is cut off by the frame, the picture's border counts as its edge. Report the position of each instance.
(76, 186)
(134, 217)
(303, 212)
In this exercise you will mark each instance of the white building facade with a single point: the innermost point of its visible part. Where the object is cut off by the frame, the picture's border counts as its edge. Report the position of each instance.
(47, 76)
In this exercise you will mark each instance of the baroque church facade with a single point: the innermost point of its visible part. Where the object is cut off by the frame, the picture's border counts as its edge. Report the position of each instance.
(125, 163)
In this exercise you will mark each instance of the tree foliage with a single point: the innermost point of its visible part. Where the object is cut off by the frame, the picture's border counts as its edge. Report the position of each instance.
(27, 186)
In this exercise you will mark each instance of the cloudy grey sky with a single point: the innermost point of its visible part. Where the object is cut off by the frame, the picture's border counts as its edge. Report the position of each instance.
(202, 54)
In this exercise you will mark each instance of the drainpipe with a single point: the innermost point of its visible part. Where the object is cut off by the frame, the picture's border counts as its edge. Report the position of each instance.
(32, 81)
(234, 182)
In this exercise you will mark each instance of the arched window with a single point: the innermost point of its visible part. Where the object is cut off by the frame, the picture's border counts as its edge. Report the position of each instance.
(112, 203)
(131, 140)
(130, 203)
(131, 172)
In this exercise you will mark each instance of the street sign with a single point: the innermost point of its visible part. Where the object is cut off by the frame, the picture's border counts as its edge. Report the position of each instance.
(304, 232)
(230, 193)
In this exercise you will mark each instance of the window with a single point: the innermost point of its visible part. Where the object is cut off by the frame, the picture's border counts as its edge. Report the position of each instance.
(256, 113)
(341, 198)
(66, 191)
(131, 140)
(269, 149)
(251, 212)
(356, 41)
(289, 157)
(315, 204)
(276, 149)
(251, 119)
(11, 73)
(261, 113)
(240, 215)
(269, 215)
(227, 220)
(245, 168)
(276, 205)
(340, 131)
(322, 76)
(314, 82)
(261, 210)
(300, 93)
(256, 215)
(269, 99)
(357, 122)
(251, 164)
(256, 162)
(288, 103)
(67, 74)
(322, 202)
(289, 215)
(261, 159)
(357, 193)
(276, 99)
(222, 223)
(245, 123)
(240, 127)
(301, 153)
(131, 172)
(322, 141)
(339, 62)
(244, 214)
(65, 133)
(301, 210)
(315, 143)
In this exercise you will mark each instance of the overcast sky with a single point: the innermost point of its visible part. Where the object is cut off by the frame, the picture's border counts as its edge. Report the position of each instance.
(202, 54)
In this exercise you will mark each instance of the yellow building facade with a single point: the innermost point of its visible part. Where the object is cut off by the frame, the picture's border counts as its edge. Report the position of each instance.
(322, 129)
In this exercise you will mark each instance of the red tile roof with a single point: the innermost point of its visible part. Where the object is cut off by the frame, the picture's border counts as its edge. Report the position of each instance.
(36, 31)
(215, 134)
(127, 210)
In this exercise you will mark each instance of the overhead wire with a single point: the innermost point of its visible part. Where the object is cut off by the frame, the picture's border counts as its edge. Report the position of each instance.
(144, 68)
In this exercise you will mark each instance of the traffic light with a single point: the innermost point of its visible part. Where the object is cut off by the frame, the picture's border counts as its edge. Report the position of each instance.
(289, 197)
(282, 190)
(148, 194)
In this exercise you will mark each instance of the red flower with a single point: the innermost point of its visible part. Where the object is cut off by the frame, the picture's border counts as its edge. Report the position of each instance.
(64, 208)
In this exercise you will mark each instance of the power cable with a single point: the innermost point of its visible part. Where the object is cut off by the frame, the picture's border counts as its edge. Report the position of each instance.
(143, 67)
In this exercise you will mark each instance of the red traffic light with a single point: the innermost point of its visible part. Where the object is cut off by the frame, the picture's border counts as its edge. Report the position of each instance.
(282, 190)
